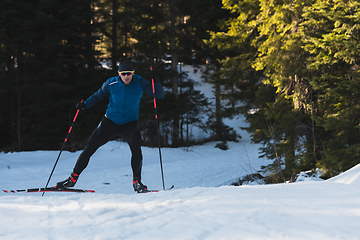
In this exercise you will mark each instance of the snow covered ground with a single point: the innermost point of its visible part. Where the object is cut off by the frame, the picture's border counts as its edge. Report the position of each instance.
(202, 205)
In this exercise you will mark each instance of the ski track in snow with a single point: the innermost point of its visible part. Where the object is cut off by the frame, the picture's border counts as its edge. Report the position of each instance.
(293, 211)
(304, 210)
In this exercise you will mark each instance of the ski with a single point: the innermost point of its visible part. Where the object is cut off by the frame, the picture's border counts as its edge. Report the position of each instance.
(50, 189)
(54, 189)
(151, 191)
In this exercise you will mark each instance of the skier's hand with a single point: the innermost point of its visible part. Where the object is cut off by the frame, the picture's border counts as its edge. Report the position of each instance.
(152, 75)
(81, 106)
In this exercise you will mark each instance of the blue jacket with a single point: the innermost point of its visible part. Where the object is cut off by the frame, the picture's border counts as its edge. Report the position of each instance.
(124, 100)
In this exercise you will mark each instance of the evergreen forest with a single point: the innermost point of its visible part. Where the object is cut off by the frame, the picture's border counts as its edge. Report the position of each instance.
(290, 67)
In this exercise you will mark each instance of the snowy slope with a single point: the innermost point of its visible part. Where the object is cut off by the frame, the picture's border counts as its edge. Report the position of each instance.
(198, 208)
(352, 176)
(204, 166)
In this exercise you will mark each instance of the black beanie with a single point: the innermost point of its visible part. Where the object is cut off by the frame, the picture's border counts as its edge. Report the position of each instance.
(126, 66)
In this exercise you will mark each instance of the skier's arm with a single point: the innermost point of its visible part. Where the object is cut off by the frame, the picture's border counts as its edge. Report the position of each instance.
(147, 86)
(98, 95)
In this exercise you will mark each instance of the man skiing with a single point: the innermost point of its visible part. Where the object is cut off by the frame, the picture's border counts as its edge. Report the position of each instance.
(120, 119)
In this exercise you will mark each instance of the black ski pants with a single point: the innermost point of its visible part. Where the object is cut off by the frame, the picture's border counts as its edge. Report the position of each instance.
(106, 131)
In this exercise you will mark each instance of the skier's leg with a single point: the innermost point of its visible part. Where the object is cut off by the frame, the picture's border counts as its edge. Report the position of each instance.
(132, 136)
(101, 135)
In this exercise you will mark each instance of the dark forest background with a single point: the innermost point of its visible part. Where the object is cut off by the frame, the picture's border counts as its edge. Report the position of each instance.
(290, 67)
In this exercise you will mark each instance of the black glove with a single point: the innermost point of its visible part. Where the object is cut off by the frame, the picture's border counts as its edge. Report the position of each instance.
(81, 106)
(152, 75)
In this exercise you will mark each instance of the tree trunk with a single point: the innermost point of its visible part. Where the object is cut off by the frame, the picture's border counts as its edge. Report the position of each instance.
(115, 21)
(174, 74)
(219, 125)
(18, 109)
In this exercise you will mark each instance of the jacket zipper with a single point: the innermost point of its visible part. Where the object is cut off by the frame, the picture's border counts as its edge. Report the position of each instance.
(123, 117)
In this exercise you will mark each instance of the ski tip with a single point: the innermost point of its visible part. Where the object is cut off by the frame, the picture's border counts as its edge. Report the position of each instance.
(149, 191)
(167, 189)
(153, 191)
(50, 189)
(10, 191)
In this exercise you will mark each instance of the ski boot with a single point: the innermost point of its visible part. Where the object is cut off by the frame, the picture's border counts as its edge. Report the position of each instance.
(138, 186)
(69, 182)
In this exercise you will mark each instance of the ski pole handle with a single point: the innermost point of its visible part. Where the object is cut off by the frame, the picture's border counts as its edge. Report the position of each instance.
(76, 114)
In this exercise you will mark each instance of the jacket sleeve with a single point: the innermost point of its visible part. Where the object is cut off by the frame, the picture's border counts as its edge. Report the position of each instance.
(147, 87)
(98, 95)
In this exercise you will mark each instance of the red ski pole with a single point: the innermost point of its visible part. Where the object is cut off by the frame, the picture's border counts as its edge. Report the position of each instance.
(157, 130)
(62, 147)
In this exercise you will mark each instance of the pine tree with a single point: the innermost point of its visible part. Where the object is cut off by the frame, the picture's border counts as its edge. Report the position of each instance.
(236, 81)
(332, 38)
(52, 50)
(308, 52)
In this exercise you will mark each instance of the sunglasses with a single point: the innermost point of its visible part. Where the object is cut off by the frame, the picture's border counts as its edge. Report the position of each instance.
(126, 73)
